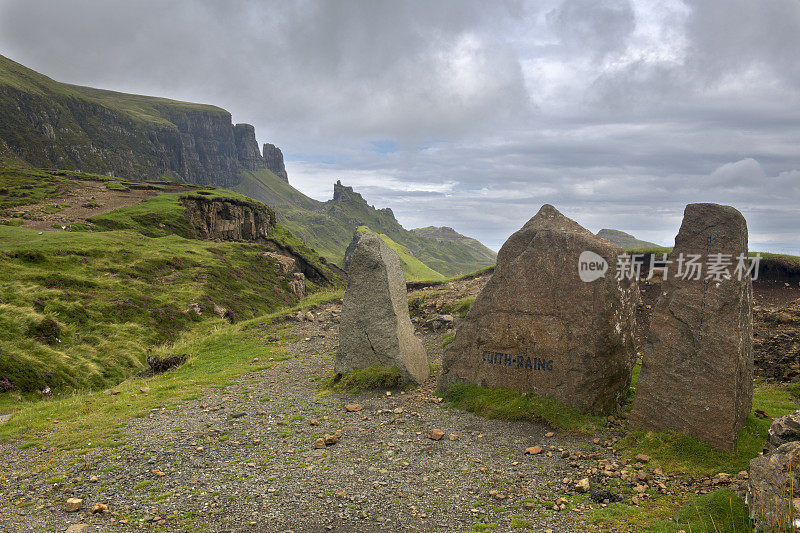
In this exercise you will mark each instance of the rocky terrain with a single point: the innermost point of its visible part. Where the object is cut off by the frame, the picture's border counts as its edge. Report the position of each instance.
(274, 452)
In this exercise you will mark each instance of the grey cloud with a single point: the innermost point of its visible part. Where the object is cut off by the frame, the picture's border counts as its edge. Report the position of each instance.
(617, 112)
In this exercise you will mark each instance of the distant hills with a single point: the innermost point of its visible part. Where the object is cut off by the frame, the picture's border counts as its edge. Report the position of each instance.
(624, 240)
(53, 125)
(328, 226)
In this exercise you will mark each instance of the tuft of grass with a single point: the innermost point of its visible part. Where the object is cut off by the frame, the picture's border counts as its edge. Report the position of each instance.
(681, 453)
(448, 338)
(116, 186)
(509, 404)
(370, 378)
(717, 512)
(459, 307)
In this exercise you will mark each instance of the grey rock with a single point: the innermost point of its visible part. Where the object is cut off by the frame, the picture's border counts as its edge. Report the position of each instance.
(697, 372)
(273, 160)
(79, 528)
(375, 326)
(244, 136)
(537, 327)
(782, 430)
(771, 489)
(348, 253)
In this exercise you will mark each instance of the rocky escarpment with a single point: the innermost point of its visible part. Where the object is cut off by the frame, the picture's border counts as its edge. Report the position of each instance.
(228, 219)
(234, 219)
(55, 125)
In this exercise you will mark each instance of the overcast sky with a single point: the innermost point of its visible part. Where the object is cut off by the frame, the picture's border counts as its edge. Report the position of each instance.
(474, 114)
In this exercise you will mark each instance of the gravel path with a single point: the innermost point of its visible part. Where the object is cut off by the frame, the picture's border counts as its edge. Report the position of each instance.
(242, 458)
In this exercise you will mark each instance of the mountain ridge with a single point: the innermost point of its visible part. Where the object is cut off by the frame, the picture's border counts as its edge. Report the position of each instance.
(52, 125)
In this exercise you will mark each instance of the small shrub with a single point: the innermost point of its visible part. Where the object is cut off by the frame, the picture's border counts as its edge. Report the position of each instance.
(47, 331)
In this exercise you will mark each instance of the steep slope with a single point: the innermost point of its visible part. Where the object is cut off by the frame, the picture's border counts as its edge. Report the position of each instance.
(624, 240)
(328, 226)
(55, 125)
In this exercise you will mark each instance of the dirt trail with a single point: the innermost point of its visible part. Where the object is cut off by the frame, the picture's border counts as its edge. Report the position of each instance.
(82, 200)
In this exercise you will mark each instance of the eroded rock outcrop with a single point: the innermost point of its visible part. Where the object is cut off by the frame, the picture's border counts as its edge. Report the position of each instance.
(537, 327)
(228, 219)
(375, 326)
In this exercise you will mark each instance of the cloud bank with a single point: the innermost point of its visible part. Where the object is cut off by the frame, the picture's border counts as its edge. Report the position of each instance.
(473, 114)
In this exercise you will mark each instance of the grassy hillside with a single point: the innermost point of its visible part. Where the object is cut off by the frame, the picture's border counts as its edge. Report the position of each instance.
(328, 226)
(81, 309)
(413, 268)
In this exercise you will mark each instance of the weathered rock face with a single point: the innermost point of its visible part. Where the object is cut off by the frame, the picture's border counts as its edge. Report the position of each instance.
(247, 148)
(772, 489)
(228, 220)
(536, 327)
(273, 160)
(697, 372)
(375, 327)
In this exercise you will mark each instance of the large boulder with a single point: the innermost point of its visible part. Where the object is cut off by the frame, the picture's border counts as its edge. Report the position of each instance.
(538, 327)
(772, 489)
(697, 372)
(375, 327)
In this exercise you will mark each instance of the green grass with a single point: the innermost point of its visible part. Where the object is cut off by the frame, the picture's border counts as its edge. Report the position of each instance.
(459, 307)
(681, 453)
(413, 268)
(218, 353)
(448, 338)
(374, 377)
(115, 295)
(718, 512)
(508, 404)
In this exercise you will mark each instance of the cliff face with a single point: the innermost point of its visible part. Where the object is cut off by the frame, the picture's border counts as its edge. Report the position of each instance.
(228, 219)
(55, 125)
(273, 161)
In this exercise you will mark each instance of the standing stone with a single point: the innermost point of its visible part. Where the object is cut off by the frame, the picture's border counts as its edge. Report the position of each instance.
(375, 327)
(537, 327)
(348, 253)
(697, 373)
